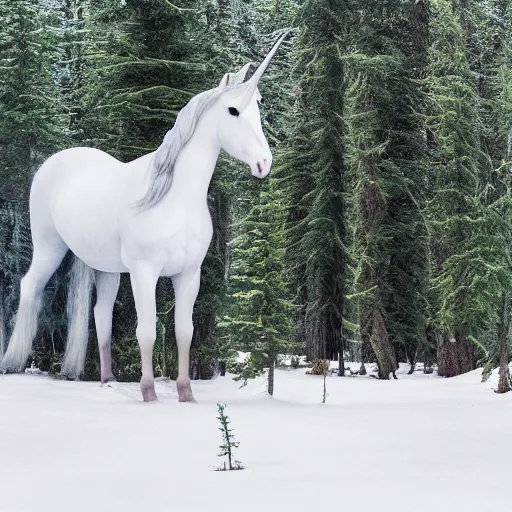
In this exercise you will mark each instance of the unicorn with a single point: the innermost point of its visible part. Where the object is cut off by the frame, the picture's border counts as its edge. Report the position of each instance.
(148, 217)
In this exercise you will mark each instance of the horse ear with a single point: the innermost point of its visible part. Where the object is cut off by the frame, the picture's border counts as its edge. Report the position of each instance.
(235, 78)
(226, 80)
(239, 76)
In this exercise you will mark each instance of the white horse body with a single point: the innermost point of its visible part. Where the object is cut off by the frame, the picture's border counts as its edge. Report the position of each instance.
(80, 204)
(90, 207)
(148, 217)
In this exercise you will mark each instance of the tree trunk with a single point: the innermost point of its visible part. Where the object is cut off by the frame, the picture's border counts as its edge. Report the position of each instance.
(341, 358)
(270, 388)
(271, 367)
(341, 364)
(503, 331)
(455, 355)
(381, 345)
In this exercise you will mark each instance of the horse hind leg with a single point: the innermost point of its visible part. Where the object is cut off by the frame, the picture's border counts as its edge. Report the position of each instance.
(107, 286)
(45, 261)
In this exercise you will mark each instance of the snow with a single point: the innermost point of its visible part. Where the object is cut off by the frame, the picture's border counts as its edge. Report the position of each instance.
(288, 359)
(242, 357)
(419, 443)
(493, 380)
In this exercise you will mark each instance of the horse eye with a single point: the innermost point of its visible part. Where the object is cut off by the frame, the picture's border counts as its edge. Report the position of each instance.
(233, 111)
(261, 100)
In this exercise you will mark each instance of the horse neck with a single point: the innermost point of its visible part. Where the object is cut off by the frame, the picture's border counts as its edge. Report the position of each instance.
(194, 167)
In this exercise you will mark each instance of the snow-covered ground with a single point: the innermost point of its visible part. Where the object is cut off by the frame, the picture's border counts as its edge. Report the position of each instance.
(420, 443)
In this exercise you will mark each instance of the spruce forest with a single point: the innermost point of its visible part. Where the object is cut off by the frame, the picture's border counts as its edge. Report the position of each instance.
(383, 234)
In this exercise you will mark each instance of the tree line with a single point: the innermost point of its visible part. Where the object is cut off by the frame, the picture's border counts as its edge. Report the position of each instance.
(384, 229)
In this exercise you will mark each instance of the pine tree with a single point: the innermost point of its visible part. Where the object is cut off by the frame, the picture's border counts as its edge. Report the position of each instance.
(386, 148)
(70, 68)
(259, 319)
(408, 271)
(489, 58)
(134, 78)
(454, 125)
(31, 117)
(312, 175)
(504, 117)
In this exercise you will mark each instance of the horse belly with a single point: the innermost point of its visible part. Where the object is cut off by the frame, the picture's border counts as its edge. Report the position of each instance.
(85, 214)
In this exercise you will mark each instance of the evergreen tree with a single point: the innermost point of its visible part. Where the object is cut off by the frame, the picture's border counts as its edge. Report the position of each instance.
(260, 314)
(489, 55)
(454, 125)
(408, 265)
(312, 175)
(504, 170)
(31, 117)
(386, 148)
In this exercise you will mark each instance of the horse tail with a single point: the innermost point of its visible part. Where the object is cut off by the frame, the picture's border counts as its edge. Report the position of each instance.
(25, 329)
(78, 310)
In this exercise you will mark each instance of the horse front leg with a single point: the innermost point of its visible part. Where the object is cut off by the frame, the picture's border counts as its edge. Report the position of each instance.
(186, 288)
(144, 277)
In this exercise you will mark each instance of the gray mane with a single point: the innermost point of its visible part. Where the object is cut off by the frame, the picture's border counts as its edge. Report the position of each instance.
(166, 155)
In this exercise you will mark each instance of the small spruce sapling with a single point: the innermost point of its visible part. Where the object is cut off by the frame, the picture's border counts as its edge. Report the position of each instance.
(228, 442)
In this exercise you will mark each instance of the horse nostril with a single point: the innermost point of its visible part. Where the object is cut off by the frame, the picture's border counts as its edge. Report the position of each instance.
(260, 170)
